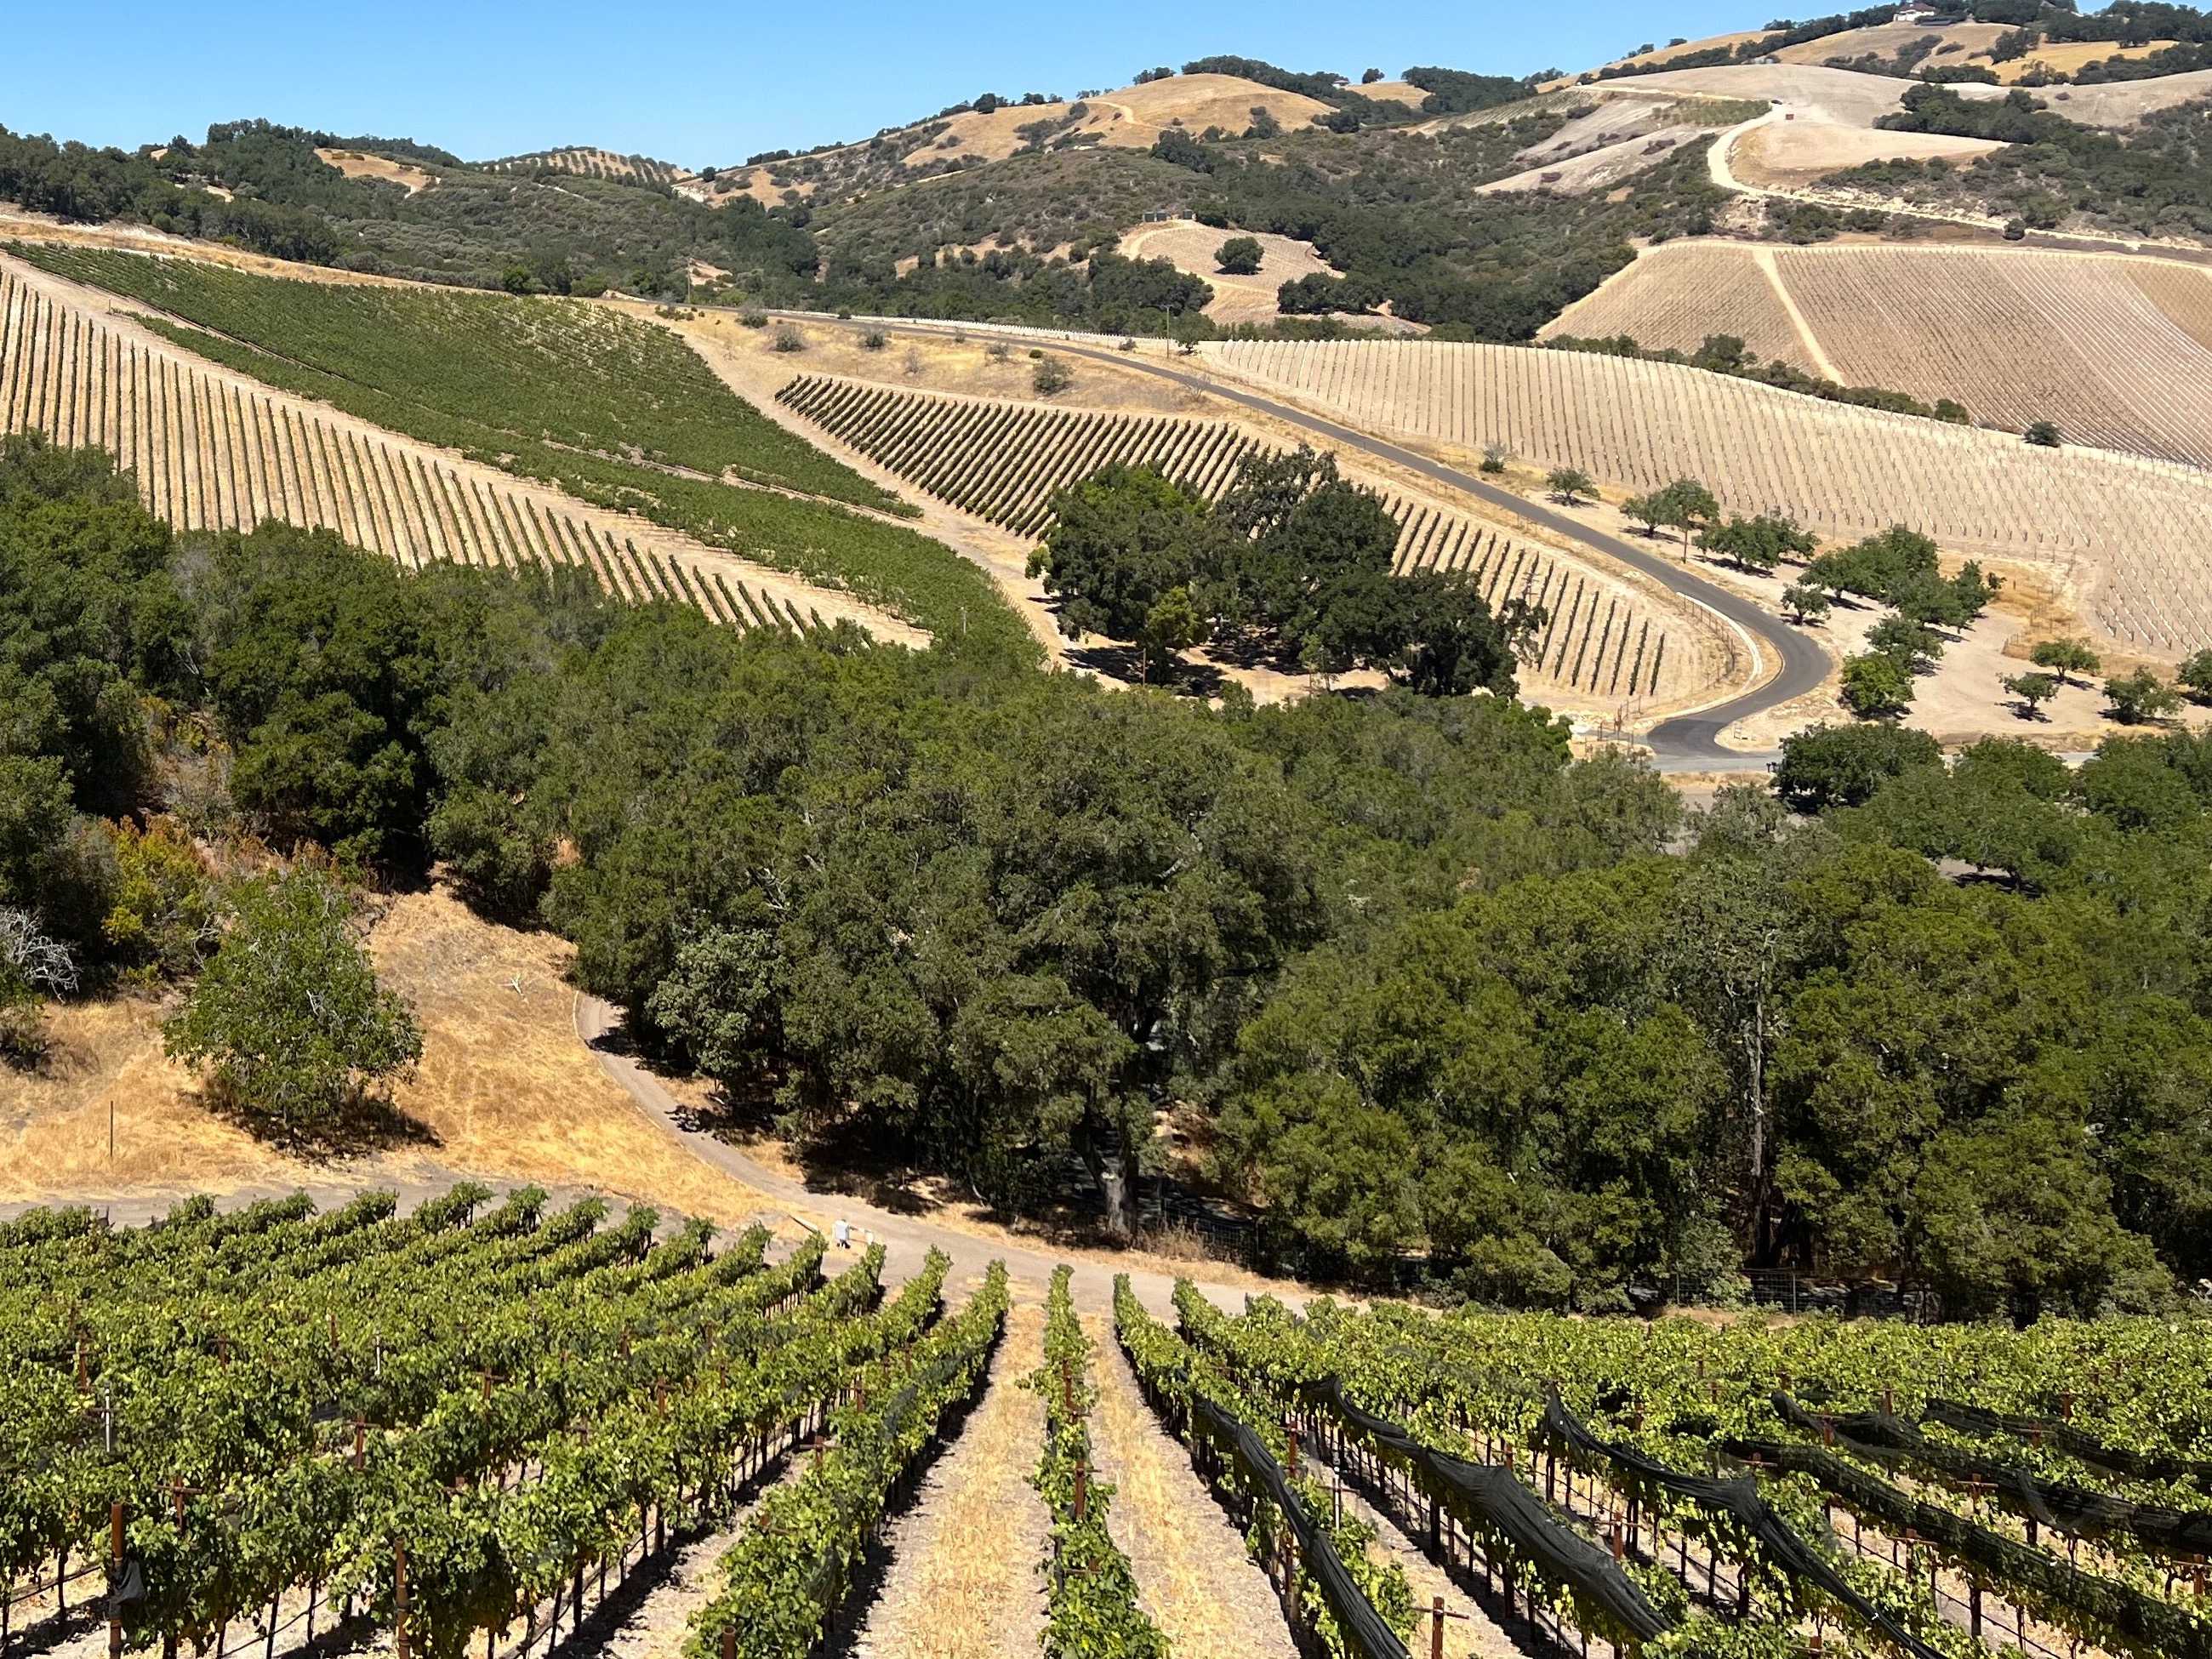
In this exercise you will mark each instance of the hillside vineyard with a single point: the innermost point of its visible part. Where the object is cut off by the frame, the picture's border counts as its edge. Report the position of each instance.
(2130, 530)
(2017, 336)
(1004, 461)
(213, 451)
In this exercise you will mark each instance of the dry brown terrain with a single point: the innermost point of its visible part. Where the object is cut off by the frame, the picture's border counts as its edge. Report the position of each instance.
(504, 1090)
(1189, 245)
(2067, 57)
(1601, 168)
(1666, 54)
(1966, 41)
(2123, 532)
(2113, 348)
(1788, 154)
(356, 164)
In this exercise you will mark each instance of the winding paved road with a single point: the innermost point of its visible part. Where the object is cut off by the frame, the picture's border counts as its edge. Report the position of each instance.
(1685, 742)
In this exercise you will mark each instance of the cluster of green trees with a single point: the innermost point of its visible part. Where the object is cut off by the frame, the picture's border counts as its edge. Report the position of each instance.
(1294, 563)
(2154, 180)
(1443, 989)
(1727, 354)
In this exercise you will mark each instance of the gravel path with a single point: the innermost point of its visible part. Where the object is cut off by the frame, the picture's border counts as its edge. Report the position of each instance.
(962, 1580)
(1194, 1575)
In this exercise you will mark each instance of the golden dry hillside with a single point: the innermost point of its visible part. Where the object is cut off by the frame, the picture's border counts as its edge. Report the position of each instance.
(1131, 117)
(592, 162)
(2017, 335)
(2121, 532)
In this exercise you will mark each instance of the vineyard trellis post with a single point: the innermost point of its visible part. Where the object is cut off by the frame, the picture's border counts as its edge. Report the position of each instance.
(115, 1581)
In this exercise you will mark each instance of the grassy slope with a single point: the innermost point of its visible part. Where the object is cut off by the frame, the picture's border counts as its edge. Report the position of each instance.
(599, 405)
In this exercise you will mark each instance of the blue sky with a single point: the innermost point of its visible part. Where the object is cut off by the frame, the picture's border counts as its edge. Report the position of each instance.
(723, 81)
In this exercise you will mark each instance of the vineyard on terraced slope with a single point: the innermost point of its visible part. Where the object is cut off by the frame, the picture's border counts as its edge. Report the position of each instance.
(213, 452)
(2129, 530)
(592, 163)
(608, 409)
(2116, 351)
(1003, 462)
(492, 1423)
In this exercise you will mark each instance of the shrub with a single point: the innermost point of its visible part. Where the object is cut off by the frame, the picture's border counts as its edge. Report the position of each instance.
(753, 317)
(2043, 434)
(289, 1015)
(2141, 697)
(788, 339)
(1240, 255)
(1051, 376)
(874, 339)
(1495, 458)
(998, 352)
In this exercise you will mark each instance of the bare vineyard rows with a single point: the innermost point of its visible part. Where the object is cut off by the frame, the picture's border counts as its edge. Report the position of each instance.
(2131, 530)
(1595, 638)
(211, 453)
(2017, 338)
(1002, 463)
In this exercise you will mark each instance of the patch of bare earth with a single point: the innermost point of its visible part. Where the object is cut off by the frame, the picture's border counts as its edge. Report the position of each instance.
(961, 1581)
(1194, 1575)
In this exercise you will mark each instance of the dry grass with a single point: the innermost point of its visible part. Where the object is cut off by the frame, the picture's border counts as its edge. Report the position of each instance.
(1888, 40)
(505, 1088)
(356, 164)
(2067, 57)
(1194, 1576)
(1787, 154)
(963, 1582)
(1190, 246)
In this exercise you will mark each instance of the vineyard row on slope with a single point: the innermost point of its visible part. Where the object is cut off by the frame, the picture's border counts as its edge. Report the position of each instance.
(1003, 463)
(2128, 530)
(213, 452)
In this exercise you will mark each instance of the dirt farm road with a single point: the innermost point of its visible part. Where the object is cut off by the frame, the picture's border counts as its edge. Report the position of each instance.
(1684, 743)
(906, 1238)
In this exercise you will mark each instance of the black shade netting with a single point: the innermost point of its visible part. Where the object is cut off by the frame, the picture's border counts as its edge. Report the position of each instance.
(2134, 1621)
(1363, 1627)
(1741, 1501)
(1496, 1499)
(1891, 1440)
(2140, 1466)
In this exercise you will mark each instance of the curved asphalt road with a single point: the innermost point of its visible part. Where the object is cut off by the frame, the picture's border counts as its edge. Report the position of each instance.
(1686, 742)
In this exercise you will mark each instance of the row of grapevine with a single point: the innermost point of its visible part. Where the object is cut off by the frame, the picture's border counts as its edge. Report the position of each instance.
(795, 1563)
(213, 451)
(1596, 639)
(1937, 1536)
(2016, 335)
(1329, 1583)
(1002, 462)
(589, 163)
(1094, 1607)
(2127, 529)
(435, 1421)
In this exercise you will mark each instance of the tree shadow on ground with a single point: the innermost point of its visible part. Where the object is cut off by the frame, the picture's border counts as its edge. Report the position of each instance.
(364, 1124)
